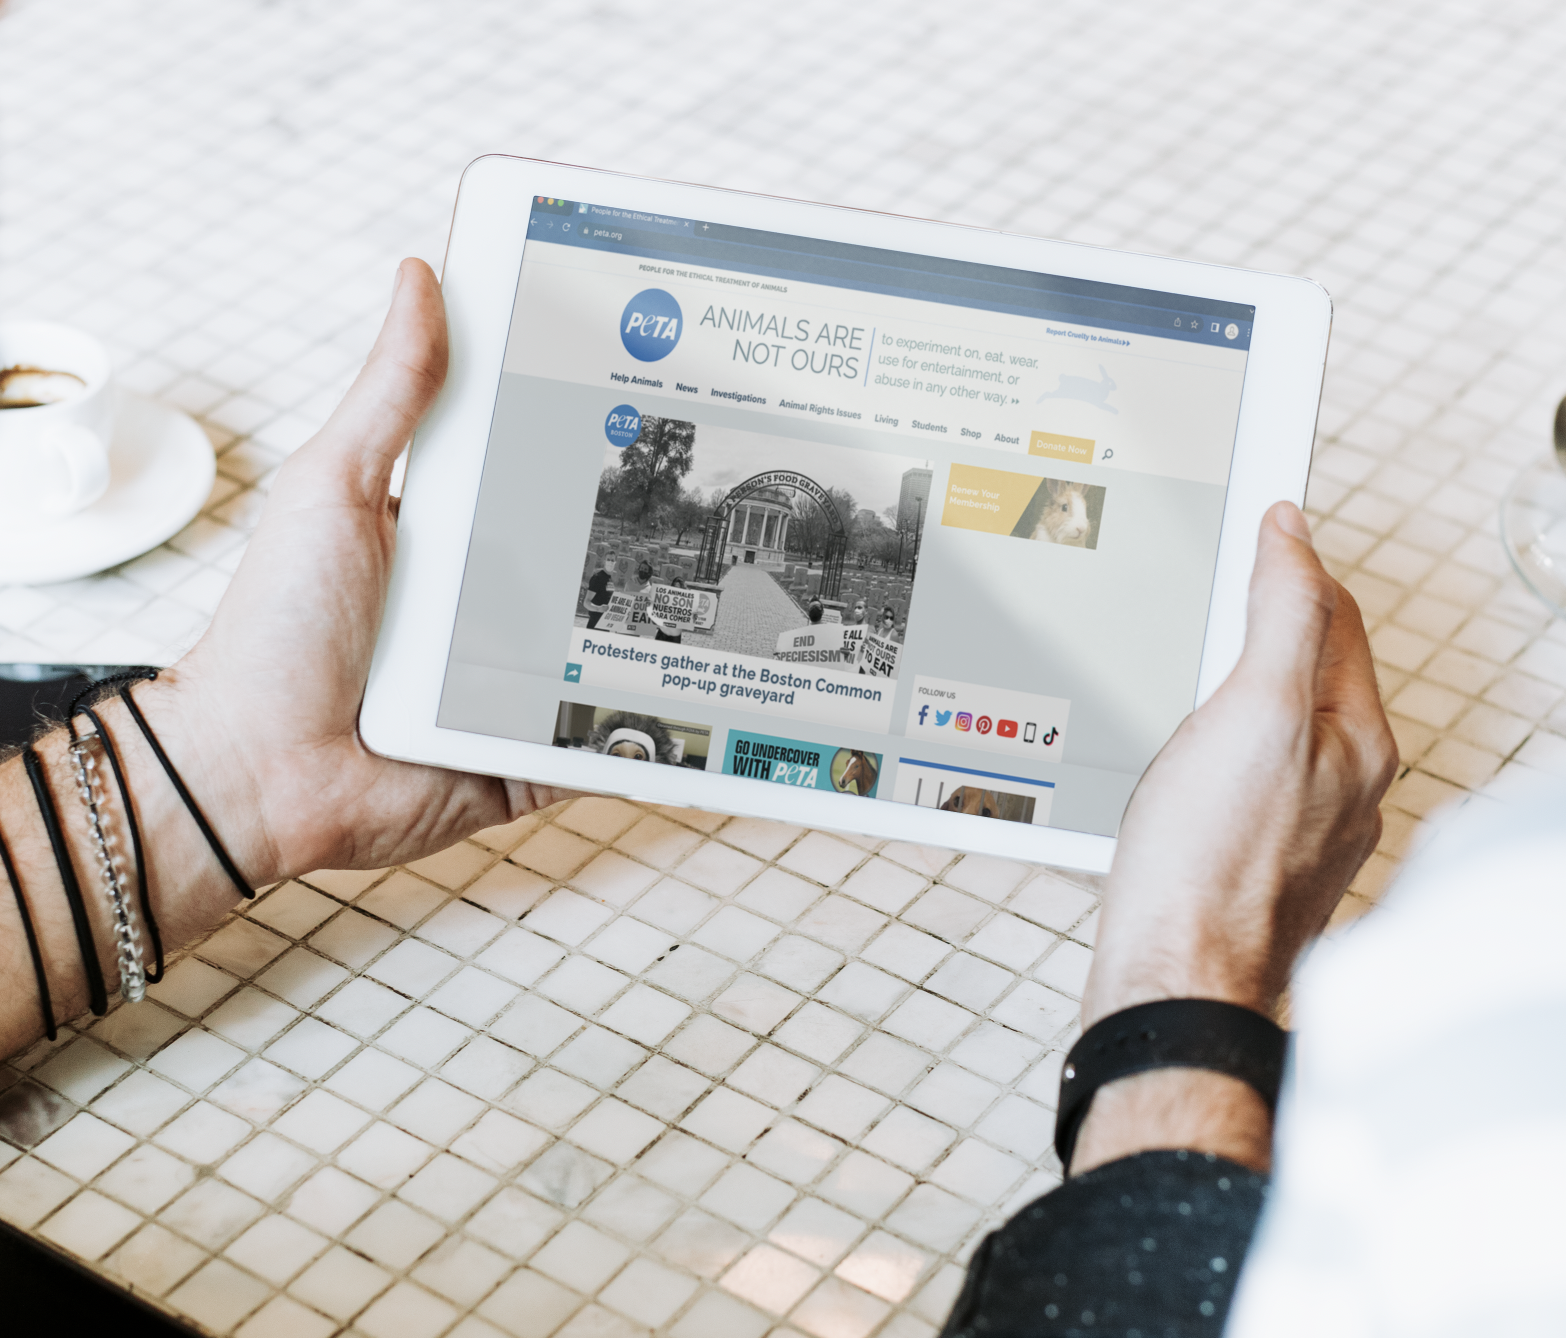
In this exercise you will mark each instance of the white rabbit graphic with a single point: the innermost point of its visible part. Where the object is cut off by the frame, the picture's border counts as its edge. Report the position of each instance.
(1096, 393)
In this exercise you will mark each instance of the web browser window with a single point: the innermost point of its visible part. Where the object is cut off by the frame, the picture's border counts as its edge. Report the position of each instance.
(805, 513)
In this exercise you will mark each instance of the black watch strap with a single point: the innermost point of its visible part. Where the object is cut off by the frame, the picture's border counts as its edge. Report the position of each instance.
(1169, 1033)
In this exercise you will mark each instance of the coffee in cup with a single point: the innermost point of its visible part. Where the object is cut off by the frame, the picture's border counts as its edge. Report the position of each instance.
(56, 419)
(30, 387)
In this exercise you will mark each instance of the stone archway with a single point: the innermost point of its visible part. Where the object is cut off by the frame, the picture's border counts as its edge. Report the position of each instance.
(709, 562)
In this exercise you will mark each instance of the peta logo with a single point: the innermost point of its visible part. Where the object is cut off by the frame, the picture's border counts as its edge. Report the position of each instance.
(623, 425)
(650, 325)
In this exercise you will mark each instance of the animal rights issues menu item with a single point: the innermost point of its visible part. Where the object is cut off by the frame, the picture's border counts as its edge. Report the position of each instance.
(816, 515)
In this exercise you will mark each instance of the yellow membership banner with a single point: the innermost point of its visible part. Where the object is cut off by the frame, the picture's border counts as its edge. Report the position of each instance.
(988, 500)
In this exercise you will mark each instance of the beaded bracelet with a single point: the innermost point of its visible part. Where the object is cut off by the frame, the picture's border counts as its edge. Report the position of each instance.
(45, 1004)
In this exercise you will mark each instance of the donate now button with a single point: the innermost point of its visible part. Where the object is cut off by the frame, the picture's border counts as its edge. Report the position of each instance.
(1058, 447)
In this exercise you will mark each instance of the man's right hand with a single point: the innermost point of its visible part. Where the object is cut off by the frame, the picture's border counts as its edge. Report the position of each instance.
(1247, 828)
(1236, 846)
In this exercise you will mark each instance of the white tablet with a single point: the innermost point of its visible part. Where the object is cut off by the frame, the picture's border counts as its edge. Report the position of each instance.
(831, 517)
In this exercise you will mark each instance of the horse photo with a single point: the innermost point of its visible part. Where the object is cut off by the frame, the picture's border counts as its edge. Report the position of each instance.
(859, 773)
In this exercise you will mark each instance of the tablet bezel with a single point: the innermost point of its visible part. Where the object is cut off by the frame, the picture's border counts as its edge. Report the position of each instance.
(483, 261)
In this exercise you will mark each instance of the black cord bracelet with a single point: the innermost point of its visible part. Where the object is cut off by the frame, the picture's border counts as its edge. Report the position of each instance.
(1169, 1033)
(129, 680)
(97, 995)
(78, 708)
(45, 1004)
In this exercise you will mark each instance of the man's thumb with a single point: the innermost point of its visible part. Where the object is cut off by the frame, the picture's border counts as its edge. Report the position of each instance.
(394, 389)
(1290, 606)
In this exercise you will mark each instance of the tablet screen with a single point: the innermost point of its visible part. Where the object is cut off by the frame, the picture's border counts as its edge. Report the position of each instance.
(805, 513)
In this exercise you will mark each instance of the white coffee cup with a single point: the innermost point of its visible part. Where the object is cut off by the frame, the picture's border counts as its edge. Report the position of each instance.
(54, 458)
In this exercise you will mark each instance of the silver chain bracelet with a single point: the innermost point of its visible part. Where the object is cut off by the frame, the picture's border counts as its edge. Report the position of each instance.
(89, 786)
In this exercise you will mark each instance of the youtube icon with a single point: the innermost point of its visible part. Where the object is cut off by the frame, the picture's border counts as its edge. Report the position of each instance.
(1022, 725)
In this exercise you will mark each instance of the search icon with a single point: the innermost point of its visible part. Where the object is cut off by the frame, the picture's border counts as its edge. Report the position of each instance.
(1109, 453)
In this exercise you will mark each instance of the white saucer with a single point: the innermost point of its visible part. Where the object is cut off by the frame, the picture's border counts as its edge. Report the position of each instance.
(161, 475)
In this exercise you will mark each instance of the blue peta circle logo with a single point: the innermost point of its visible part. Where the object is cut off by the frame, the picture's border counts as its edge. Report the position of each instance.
(650, 325)
(623, 426)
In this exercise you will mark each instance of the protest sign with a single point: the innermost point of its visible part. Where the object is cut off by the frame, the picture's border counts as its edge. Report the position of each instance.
(677, 609)
(626, 615)
(815, 643)
(878, 657)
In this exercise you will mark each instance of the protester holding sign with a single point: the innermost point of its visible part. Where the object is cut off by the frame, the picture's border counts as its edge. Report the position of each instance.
(598, 596)
(878, 657)
(818, 643)
(675, 610)
(626, 614)
(665, 612)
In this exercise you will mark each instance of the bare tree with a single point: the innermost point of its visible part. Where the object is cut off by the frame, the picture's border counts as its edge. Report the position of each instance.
(687, 512)
(652, 466)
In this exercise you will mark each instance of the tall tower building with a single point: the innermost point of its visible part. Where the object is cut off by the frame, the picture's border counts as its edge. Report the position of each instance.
(913, 502)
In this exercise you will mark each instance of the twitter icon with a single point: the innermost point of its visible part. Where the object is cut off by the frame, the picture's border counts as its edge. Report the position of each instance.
(941, 717)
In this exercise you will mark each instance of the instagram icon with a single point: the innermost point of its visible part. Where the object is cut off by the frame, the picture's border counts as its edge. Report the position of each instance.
(964, 720)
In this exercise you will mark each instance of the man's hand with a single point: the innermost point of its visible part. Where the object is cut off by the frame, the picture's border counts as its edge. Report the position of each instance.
(1248, 826)
(262, 716)
(1238, 843)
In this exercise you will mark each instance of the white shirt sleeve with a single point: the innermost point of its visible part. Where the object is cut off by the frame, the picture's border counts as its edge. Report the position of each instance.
(1420, 1176)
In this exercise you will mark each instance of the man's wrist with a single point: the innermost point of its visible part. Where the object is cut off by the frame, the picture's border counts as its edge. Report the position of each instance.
(221, 779)
(1176, 1108)
(1194, 969)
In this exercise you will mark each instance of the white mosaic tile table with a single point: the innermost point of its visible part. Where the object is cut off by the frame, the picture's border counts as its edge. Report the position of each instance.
(724, 1078)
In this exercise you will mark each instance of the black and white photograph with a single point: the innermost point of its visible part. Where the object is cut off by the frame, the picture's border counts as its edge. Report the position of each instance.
(765, 546)
(633, 735)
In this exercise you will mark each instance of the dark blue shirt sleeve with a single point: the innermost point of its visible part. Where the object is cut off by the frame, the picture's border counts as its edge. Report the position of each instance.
(1146, 1247)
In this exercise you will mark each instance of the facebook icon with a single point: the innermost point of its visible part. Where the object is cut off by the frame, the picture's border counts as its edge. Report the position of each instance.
(923, 711)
